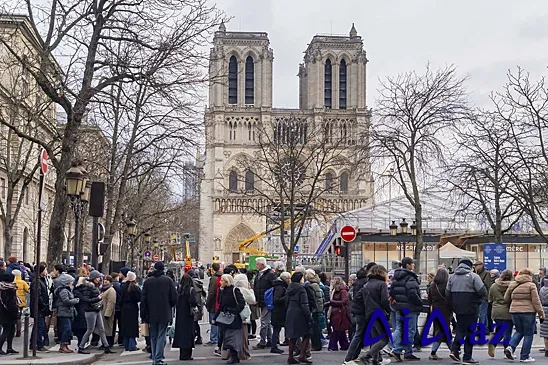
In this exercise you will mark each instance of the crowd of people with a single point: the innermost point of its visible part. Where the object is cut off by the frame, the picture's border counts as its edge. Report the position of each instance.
(313, 311)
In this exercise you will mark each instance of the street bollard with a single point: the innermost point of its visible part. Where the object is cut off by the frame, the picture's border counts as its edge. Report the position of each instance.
(26, 314)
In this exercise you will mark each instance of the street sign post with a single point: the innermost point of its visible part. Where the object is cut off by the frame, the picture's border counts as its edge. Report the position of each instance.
(348, 233)
(147, 254)
(155, 257)
(296, 249)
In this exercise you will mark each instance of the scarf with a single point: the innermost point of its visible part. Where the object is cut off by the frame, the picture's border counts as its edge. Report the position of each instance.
(106, 287)
(7, 286)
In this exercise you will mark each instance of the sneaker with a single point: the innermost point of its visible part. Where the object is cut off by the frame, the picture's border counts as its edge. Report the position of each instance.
(276, 350)
(508, 353)
(83, 351)
(491, 350)
(417, 349)
(454, 357)
(470, 362)
(217, 353)
(434, 357)
(251, 337)
(43, 349)
(386, 361)
(396, 356)
(529, 359)
(411, 358)
(268, 344)
(351, 362)
(210, 344)
(198, 341)
(259, 346)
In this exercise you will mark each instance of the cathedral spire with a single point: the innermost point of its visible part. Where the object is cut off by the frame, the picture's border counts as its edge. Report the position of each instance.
(222, 27)
(353, 32)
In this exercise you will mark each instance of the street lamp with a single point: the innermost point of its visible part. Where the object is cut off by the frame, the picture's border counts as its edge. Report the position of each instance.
(78, 193)
(403, 225)
(393, 228)
(414, 228)
(148, 237)
(132, 232)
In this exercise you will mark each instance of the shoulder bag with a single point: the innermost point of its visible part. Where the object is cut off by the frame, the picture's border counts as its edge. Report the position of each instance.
(227, 318)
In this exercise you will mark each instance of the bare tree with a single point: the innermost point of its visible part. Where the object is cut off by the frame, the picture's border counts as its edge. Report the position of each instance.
(290, 170)
(523, 105)
(108, 42)
(413, 111)
(479, 175)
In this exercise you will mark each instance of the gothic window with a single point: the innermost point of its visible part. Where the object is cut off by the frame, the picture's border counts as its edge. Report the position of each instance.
(249, 181)
(249, 80)
(232, 131)
(344, 133)
(233, 81)
(327, 84)
(233, 182)
(328, 181)
(250, 132)
(344, 182)
(342, 85)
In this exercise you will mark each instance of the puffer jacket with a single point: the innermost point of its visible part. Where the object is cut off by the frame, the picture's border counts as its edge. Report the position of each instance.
(359, 283)
(543, 294)
(523, 296)
(65, 302)
(405, 290)
(465, 290)
(22, 289)
(90, 295)
(318, 293)
(501, 309)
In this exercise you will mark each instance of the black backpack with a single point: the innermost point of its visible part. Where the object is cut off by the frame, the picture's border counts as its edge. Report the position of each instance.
(311, 297)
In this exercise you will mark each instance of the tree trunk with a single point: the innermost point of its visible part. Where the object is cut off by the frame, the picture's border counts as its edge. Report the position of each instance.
(8, 239)
(419, 237)
(289, 261)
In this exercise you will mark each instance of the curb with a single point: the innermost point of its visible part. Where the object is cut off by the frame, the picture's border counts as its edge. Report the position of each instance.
(51, 360)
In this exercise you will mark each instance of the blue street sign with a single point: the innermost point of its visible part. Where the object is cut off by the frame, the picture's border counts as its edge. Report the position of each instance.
(494, 256)
(147, 254)
(296, 249)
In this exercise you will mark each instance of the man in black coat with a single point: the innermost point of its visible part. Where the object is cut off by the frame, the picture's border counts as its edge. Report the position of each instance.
(212, 302)
(264, 281)
(405, 291)
(43, 307)
(158, 298)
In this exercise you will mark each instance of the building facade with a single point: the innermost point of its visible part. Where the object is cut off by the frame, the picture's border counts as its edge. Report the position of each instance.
(332, 92)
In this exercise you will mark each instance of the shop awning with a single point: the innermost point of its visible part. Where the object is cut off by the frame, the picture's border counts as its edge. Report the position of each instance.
(450, 251)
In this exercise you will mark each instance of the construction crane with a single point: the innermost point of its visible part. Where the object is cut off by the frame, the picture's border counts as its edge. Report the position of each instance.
(188, 257)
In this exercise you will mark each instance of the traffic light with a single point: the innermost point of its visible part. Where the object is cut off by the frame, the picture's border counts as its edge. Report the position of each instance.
(340, 251)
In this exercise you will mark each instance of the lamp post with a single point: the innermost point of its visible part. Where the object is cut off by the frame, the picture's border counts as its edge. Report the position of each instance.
(132, 231)
(78, 191)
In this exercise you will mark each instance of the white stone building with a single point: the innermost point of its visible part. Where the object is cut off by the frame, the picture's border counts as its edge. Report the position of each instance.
(332, 89)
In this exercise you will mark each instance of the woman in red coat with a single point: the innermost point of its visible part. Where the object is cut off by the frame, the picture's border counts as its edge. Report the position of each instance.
(339, 315)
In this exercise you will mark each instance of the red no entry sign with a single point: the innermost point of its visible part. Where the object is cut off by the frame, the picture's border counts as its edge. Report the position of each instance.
(156, 257)
(44, 161)
(348, 233)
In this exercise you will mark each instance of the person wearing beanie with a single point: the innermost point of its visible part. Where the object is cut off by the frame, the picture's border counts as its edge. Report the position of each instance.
(8, 312)
(22, 291)
(465, 291)
(123, 273)
(13, 264)
(43, 307)
(298, 320)
(158, 297)
(65, 303)
(92, 308)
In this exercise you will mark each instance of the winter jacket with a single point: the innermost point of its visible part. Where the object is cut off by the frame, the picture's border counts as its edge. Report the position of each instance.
(241, 282)
(65, 302)
(377, 290)
(523, 296)
(465, 290)
(485, 277)
(544, 280)
(212, 302)
(43, 297)
(90, 296)
(263, 282)
(8, 304)
(405, 290)
(158, 298)
(117, 285)
(359, 283)
(318, 294)
(278, 313)
(543, 294)
(79, 321)
(326, 291)
(231, 300)
(200, 296)
(438, 300)
(16, 266)
(339, 314)
(298, 320)
(22, 291)
(501, 308)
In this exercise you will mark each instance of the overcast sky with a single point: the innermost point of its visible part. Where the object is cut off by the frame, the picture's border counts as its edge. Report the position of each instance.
(483, 38)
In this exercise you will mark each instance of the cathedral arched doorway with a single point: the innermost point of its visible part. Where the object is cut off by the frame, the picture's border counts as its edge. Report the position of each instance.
(236, 235)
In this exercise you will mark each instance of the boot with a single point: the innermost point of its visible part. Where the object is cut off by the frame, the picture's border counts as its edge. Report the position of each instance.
(18, 331)
(304, 346)
(108, 350)
(290, 358)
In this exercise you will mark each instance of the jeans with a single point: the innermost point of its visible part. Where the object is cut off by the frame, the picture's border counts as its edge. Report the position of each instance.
(64, 329)
(266, 331)
(482, 317)
(213, 331)
(465, 323)
(525, 328)
(357, 341)
(94, 320)
(130, 343)
(157, 341)
(399, 337)
(41, 331)
(507, 336)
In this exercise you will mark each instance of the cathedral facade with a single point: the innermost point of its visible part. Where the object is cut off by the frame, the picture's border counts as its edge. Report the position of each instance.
(332, 90)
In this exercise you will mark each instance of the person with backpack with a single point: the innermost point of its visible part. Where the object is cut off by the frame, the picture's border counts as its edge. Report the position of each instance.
(264, 281)
(312, 285)
(278, 308)
(212, 303)
(65, 303)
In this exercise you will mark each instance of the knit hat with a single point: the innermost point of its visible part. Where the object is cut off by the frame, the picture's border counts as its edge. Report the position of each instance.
(369, 266)
(65, 279)
(131, 276)
(159, 266)
(124, 270)
(466, 262)
(40, 268)
(7, 278)
(297, 277)
(16, 272)
(94, 274)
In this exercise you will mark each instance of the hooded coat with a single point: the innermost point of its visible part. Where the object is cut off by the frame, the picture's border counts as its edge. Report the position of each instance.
(22, 290)
(241, 282)
(158, 298)
(465, 290)
(523, 296)
(340, 318)
(543, 294)
(200, 298)
(298, 320)
(501, 308)
(184, 319)
(65, 301)
(318, 294)
(129, 310)
(212, 302)
(278, 313)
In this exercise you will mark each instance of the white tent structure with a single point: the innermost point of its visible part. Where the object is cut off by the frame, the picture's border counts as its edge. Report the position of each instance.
(450, 251)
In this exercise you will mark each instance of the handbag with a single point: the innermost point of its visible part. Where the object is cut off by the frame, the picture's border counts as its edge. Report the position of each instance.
(245, 314)
(97, 306)
(227, 318)
(144, 329)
